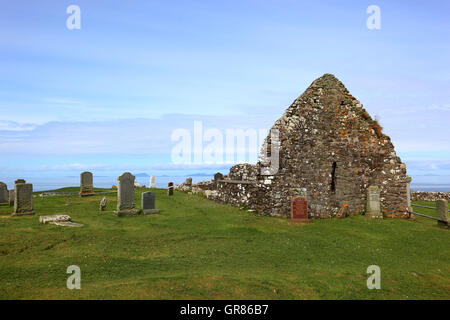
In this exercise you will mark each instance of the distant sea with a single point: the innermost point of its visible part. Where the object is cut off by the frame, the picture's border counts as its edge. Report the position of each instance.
(422, 183)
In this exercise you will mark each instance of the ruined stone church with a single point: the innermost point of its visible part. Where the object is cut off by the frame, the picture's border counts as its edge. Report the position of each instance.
(330, 152)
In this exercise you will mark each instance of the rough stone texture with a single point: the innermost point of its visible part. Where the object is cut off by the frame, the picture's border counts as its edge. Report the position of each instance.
(152, 182)
(330, 151)
(125, 195)
(148, 203)
(19, 181)
(430, 196)
(103, 204)
(185, 186)
(86, 184)
(23, 199)
(54, 218)
(11, 198)
(4, 195)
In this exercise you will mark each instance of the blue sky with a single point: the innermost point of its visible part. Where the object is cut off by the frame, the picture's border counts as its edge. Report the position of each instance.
(106, 97)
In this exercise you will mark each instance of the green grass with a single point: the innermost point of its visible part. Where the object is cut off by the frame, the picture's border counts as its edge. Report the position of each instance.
(198, 249)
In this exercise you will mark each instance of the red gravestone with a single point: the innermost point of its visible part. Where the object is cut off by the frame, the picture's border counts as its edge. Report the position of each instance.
(299, 210)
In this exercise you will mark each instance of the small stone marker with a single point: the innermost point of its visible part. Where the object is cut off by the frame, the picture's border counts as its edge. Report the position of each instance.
(442, 212)
(152, 182)
(103, 203)
(23, 199)
(86, 184)
(11, 198)
(125, 195)
(373, 202)
(4, 195)
(299, 210)
(148, 203)
(218, 176)
(170, 189)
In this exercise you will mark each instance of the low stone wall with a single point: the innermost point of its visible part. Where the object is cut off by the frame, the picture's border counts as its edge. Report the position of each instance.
(430, 196)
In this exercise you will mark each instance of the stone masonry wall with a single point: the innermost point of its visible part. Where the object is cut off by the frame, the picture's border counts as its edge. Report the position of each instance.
(331, 151)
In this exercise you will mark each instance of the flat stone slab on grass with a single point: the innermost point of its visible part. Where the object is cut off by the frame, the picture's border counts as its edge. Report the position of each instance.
(54, 218)
(67, 224)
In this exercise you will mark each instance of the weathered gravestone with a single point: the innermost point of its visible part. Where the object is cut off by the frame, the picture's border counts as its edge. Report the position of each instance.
(148, 203)
(373, 202)
(170, 188)
(103, 203)
(4, 196)
(299, 210)
(408, 193)
(442, 212)
(23, 199)
(152, 182)
(125, 195)
(218, 176)
(11, 198)
(86, 184)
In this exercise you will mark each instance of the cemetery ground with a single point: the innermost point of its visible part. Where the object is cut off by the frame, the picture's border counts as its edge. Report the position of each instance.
(199, 249)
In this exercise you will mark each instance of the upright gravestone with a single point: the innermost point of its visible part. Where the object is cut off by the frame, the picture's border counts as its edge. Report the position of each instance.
(23, 199)
(152, 182)
(86, 184)
(299, 210)
(408, 193)
(11, 198)
(102, 205)
(125, 195)
(148, 203)
(4, 196)
(218, 176)
(373, 202)
(170, 188)
(442, 212)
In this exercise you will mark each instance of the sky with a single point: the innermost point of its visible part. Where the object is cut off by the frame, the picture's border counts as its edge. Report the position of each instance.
(107, 97)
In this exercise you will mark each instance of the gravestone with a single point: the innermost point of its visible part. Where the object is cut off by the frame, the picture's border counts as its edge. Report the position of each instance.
(125, 195)
(4, 195)
(103, 203)
(152, 182)
(19, 181)
(373, 202)
(86, 184)
(218, 176)
(11, 198)
(148, 203)
(442, 212)
(299, 210)
(23, 199)
(170, 188)
(408, 193)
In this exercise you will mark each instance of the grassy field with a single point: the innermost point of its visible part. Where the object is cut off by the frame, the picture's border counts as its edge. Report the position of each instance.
(198, 249)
